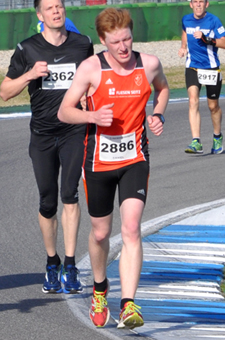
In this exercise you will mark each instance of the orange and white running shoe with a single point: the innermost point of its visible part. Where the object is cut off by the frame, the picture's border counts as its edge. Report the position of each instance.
(99, 312)
(130, 316)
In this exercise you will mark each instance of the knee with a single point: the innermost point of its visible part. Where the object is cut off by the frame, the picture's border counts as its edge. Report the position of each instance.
(131, 232)
(100, 236)
(48, 207)
(214, 108)
(193, 103)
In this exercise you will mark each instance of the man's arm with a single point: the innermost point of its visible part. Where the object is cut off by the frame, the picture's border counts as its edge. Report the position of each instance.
(86, 74)
(156, 77)
(12, 87)
(183, 50)
(220, 42)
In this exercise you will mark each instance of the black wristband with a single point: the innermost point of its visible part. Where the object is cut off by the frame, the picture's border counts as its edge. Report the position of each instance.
(161, 117)
(208, 41)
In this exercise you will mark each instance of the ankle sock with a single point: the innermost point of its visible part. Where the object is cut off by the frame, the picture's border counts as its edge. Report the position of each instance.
(53, 260)
(216, 136)
(123, 301)
(102, 286)
(69, 260)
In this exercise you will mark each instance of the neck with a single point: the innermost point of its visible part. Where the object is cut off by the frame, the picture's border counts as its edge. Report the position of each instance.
(55, 37)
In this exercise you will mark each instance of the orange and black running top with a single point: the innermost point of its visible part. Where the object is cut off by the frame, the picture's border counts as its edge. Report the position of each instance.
(125, 141)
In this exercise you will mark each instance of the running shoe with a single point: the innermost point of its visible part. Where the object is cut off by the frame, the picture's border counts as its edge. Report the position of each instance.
(130, 316)
(99, 312)
(217, 145)
(70, 280)
(52, 284)
(194, 147)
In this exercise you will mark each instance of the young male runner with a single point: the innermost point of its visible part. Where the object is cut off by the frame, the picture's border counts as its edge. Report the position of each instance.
(202, 35)
(46, 63)
(117, 82)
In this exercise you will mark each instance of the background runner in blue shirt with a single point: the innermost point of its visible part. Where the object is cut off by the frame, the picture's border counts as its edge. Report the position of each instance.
(68, 23)
(203, 33)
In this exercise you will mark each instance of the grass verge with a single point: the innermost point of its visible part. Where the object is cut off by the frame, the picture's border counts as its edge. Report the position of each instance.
(175, 78)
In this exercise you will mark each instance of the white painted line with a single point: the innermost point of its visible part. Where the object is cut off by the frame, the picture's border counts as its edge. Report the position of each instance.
(189, 257)
(192, 294)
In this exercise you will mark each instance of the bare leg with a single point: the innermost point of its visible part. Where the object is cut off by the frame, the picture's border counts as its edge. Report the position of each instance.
(99, 245)
(70, 224)
(132, 254)
(216, 115)
(194, 114)
(49, 228)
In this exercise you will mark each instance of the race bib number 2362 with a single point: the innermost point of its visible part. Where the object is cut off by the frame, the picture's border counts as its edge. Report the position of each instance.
(60, 77)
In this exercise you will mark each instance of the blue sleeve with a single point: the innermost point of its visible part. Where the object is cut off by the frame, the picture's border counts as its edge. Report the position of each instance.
(70, 26)
(219, 29)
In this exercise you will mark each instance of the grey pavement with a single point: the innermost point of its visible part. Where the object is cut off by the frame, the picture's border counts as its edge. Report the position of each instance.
(179, 289)
(178, 181)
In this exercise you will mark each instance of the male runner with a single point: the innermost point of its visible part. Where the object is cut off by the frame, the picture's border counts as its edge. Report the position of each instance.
(202, 35)
(117, 82)
(46, 63)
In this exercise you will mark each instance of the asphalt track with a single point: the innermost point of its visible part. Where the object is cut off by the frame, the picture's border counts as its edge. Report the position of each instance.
(178, 183)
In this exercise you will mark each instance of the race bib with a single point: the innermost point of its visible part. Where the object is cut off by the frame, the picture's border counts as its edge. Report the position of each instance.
(117, 148)
(207, 77)
(60, 77)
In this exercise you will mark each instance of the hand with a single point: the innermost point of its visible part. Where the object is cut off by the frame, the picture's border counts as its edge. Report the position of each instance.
(182, 52)
(83, 102)
(104, 116)
(40, 69)
(155, 125)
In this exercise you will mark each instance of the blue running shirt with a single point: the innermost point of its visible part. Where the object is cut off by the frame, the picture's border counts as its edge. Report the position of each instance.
(199, 54)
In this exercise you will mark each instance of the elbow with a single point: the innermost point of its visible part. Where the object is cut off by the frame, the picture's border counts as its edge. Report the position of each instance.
(4, 96)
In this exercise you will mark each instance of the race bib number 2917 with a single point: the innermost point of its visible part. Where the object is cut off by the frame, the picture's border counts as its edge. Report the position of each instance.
(207, 77)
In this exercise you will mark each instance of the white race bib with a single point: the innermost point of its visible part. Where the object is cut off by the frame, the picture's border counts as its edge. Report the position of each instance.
(60, 77)
(207, 77)
(117, 148)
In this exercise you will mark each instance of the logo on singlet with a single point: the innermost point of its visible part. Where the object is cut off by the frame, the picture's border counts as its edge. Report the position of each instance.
(138, 79)
(112, 91)
(58, 59)
(109, 81)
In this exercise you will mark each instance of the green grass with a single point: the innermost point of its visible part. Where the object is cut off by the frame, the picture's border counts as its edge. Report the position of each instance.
(175, 78)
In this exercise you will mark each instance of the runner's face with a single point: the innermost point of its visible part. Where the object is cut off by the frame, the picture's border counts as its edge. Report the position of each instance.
(52, 13)
(119, 44)
(199, 8)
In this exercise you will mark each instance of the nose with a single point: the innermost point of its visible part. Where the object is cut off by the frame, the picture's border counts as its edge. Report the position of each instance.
(122, 45)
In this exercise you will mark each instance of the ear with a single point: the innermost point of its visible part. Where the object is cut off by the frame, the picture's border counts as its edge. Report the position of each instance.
(40, 17)
(207, 4)
(102, 40)
(191, 4)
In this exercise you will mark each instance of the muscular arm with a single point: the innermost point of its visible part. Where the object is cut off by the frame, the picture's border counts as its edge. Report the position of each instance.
(156, 77)
(12, 87)
(87, 74)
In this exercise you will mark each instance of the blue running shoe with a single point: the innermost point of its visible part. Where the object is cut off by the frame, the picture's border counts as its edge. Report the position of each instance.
(217, 147)
(70, 279)
(52, 284)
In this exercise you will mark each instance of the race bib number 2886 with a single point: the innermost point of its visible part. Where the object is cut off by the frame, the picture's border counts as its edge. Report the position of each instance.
(60, 77)
(117, 148)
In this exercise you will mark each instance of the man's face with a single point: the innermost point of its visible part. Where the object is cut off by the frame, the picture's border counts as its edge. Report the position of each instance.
(199, 8)
(119, 44)
(52, 13)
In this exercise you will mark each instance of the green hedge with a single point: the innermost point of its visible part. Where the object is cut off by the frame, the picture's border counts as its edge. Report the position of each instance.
(152, 21)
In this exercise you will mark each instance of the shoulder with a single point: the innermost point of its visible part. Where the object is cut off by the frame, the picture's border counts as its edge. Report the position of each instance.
(30, 41)
(150, 61)
(80, 38)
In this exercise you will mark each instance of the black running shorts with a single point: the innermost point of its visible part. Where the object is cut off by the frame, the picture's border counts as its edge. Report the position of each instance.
(100, 187)
(212, 91)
